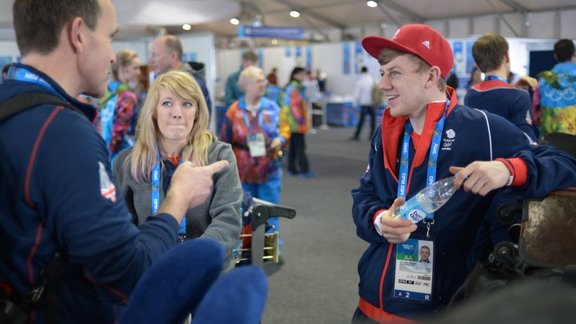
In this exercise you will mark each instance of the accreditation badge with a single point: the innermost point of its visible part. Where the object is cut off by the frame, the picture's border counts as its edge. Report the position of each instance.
(414, 270)
(257, 144)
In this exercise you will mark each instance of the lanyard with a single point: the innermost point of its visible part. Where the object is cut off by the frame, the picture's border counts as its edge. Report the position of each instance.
(23, 74)
(247, 118)
(494, 77)
(432, 159)
(155, 194)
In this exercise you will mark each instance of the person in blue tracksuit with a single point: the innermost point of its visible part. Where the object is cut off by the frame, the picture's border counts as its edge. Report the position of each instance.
(58, 194)
(428, 137)
(495, 94)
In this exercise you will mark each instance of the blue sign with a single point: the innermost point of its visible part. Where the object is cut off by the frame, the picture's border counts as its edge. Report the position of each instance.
(346, 58)
(271, 32)
(309, 58)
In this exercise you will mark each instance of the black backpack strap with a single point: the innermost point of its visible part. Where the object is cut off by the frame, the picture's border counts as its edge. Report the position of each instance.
(28, 100)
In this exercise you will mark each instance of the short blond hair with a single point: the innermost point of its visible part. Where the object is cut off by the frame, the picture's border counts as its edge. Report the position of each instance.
(250, 73)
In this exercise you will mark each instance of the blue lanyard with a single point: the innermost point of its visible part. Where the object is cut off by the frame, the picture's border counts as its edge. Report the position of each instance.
(23, 74)
(155, 194)
(494, 77)
(247, 118)
(432, 159)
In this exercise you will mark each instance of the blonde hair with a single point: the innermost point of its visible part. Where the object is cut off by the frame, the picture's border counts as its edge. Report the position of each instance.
(146, 152)
(249, 74)
(123, 58)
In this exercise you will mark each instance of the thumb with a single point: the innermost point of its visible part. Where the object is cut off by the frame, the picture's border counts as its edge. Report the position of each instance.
(454, 169)
(217, 166)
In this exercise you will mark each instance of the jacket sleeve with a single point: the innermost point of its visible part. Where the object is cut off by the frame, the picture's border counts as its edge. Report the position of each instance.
(521, 115)
(549, 169)
(366, 201)
(87, 214)
(226, 200)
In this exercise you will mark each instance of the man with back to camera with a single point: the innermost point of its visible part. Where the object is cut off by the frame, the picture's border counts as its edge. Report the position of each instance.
(363, 98)
(554, 100)
(495, 94)
(57, 191)
(166, 55)
(430, 137)
(232, 91)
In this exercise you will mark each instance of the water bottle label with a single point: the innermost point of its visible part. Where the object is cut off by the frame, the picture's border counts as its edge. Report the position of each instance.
(415, 215)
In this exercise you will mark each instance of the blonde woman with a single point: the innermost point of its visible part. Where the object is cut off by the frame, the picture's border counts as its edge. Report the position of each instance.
(172, 128)
(118, 107)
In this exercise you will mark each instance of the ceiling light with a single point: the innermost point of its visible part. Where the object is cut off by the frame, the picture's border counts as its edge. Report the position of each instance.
(372, 4)
(234, 21)
(186, 26)
(294, 14)
(274, 41)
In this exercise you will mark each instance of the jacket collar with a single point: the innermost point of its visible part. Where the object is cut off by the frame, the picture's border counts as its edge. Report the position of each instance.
(393, 128)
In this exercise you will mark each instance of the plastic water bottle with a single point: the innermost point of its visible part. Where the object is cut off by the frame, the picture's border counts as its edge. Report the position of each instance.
(427, 200)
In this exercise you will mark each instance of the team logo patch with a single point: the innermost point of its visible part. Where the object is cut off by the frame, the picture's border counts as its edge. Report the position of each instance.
(107, 187)
(448, 140)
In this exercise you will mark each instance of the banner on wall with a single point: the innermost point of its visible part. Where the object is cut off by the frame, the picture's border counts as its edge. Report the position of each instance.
(4, 60)
(271, 32)
(309, 58)
(359, 57)
(189, 57)
(469, 58)
(260, 57)
(459, 58)
(288, 52)
(346, 57)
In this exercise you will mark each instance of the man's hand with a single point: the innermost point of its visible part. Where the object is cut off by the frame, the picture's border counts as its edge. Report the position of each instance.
(481, 177)
(396, 230)
(189, 187)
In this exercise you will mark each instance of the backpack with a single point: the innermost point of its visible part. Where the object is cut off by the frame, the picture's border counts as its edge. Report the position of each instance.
(47, 292)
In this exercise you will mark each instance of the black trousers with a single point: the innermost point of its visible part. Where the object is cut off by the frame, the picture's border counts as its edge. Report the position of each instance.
(296, 154)
(366, 110)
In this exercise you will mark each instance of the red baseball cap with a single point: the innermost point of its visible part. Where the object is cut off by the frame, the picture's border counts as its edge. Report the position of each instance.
(417, 39)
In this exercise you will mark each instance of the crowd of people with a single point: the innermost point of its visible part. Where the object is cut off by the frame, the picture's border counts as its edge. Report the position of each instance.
(103, 192)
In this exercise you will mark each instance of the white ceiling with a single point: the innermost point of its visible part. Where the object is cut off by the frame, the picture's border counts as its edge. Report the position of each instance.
(145, 17)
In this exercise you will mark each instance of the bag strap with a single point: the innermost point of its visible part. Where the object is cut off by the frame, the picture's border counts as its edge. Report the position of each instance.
(25, 101)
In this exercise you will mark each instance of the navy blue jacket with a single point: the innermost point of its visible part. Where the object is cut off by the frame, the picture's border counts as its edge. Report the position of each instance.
(466, 138)
(503, 99)
(64, 203)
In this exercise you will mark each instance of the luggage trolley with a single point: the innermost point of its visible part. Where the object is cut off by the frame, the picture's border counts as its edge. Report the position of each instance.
(255, 245)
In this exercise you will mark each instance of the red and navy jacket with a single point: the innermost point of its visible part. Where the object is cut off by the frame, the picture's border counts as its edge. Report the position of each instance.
(469, 135)
(58, 194)
(501, 98)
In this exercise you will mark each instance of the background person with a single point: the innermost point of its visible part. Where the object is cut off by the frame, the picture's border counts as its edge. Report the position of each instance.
(363, 99)
(120, 103)
(166, 55)
(232, 90)
(257, 132)
(69, 203)
(495, 94)
(424, 116)
(295, 110)
(173, 128)
(554, 101)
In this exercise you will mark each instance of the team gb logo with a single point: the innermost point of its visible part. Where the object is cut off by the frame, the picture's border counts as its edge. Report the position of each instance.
(449, 140)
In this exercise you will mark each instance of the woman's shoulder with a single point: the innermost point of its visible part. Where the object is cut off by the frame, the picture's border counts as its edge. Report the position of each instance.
(218, 150)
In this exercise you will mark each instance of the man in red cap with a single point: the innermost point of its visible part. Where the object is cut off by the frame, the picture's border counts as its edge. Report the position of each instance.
(429, 136)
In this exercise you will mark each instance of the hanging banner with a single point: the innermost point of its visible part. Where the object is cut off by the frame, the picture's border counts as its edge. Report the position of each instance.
(346, 58)
(271, 32)
(309, 58)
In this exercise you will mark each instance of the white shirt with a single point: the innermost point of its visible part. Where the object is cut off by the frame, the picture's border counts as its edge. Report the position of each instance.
(363, 90)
